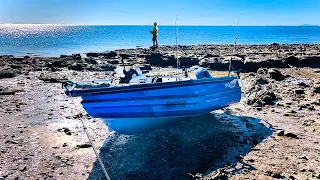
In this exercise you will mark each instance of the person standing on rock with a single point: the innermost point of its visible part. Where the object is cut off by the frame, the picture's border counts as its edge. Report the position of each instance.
(154, 33)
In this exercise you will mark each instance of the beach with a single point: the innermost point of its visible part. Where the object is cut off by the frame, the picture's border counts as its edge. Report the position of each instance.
(273, 133)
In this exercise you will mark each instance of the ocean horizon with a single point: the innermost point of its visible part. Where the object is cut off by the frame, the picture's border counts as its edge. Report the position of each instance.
(57, 39)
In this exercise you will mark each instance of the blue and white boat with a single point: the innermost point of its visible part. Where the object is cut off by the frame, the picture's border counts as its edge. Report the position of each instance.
(156, 99)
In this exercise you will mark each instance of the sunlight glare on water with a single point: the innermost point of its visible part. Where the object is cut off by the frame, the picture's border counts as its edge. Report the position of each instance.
(54, 40)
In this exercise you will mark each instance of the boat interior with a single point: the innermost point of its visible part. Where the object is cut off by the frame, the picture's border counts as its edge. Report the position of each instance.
(135, 76)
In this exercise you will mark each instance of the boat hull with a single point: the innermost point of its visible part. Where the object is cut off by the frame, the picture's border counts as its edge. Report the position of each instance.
(157, 104)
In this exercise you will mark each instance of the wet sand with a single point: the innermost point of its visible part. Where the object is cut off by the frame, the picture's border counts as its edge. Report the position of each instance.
(262, 137)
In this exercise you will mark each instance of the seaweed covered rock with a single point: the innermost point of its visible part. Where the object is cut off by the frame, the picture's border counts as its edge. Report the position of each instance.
(261, 98)
(53, 77)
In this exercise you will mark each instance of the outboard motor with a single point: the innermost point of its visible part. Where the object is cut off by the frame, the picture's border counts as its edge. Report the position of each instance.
(201, 73)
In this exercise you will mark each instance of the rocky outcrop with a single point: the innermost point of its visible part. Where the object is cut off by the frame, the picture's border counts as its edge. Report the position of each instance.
(248, 58)
(7, 72)
(53, 77)
(111, 54)
(261, 98)
(9, 90)
(76, 67)
(275, 74)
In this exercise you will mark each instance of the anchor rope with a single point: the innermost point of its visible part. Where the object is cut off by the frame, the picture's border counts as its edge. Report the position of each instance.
(90, 140)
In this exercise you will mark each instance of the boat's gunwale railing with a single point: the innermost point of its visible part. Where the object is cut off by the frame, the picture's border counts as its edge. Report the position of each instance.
(147, 86)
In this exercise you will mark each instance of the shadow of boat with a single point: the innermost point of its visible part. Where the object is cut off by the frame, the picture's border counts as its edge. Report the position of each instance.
(199, 144)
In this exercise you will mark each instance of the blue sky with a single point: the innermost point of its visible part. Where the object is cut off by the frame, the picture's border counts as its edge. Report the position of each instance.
(190, 12)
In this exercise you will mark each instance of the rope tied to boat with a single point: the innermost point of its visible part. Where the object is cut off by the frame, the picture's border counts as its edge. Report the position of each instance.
(89, 137)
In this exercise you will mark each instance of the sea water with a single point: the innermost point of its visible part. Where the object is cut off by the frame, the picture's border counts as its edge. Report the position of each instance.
(54, 40)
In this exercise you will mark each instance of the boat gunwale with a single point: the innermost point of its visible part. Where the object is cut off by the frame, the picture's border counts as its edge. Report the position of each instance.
(143, 87)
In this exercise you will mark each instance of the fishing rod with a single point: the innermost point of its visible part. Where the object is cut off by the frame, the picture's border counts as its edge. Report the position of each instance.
(178, 62)
(147, 27)
(234, 45)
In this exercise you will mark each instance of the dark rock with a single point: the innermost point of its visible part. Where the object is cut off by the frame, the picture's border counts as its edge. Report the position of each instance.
(76, 67)
(53, 77)
(108, 55)
(64, 56)
(264, 97)
(76, 56)
(311, 108)
(14, 66)
(114, 61)
(223, 64)
(292, 60)
(93, 54)
(250, 160)
(111, 54)
(146, 67)
(268, 99)
(156, 59)
(68, 133)
(93, 68)
(9, 91)
(302, 84)
(261, 80)
(303, 157)
(291, 111)
(66, 130)
(7, 72)
(316, 89)
(91, 60)
(254, 65)
(11, 142)
(302, 170)
(292, 177)
(127, 56)
(210, 55)
(276, 74)
(59, 63)
(301, 107)
(107, 67)
(257, 104)
(291, 135)
(299, 91)
(188, 62)
(280, 133)
(289, 103)
(84, 145)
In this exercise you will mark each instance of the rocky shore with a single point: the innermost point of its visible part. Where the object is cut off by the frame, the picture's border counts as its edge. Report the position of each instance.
(273, 133)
